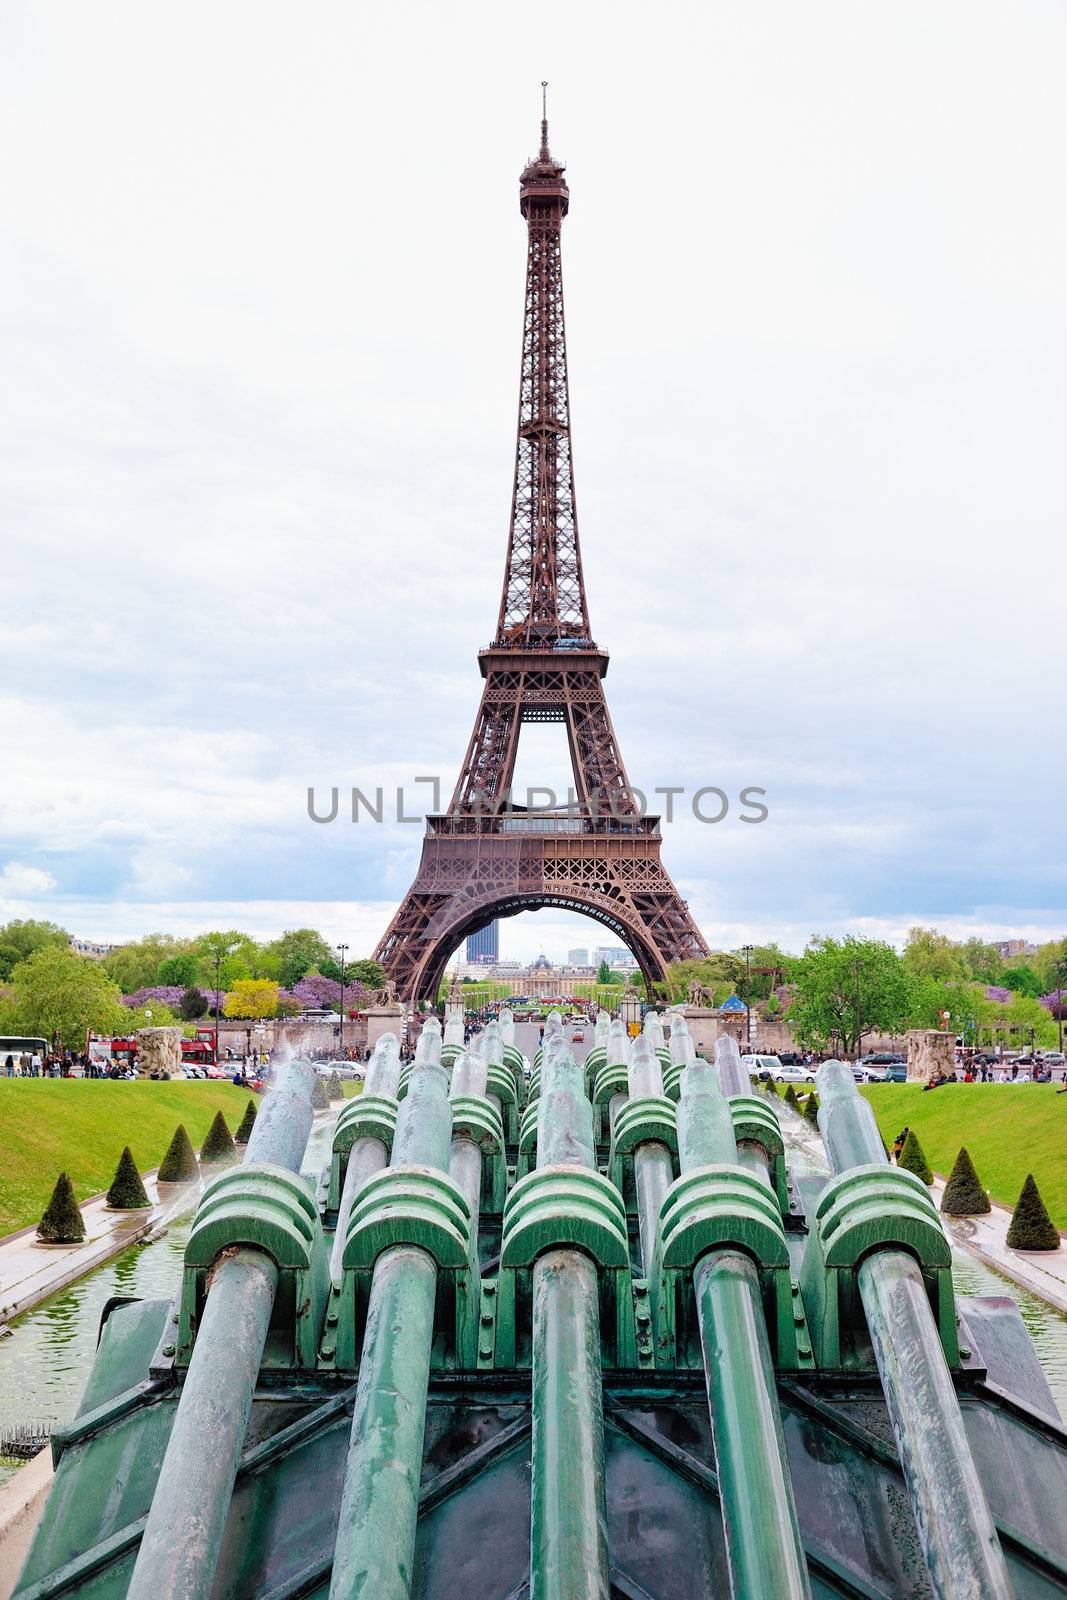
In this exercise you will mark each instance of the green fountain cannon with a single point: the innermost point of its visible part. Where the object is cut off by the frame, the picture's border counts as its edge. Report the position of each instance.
(631, 1330)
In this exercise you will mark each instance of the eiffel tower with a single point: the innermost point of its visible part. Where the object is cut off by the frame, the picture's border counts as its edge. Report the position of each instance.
(486, 857)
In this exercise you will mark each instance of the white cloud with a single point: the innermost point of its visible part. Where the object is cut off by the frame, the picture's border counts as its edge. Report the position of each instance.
(15, 879)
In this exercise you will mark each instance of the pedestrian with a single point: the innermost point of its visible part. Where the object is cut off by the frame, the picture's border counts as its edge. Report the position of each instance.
(9, 1066)
(898, 1143)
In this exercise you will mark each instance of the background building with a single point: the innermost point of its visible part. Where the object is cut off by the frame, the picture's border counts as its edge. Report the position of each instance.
(578, 957)
(483, 947)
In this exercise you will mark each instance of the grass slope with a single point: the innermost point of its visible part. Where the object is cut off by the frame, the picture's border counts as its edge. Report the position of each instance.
(80, 1125)
(1010, 1130)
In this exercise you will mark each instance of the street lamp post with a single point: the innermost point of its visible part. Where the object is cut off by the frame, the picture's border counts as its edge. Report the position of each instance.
(218, 968)
(342, 950)
(746, 951)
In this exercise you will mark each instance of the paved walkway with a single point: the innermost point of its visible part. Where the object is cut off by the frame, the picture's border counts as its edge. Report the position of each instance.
(29, 1272)
(1044, 1272)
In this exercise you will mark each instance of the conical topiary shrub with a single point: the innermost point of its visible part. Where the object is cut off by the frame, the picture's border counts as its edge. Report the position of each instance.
(791, 1097)
(62, 1222)
(218, 1146)
(179, 1163)
(811, 1109)
(336, 1087)
(1031, 1226)
(244, 1132)
(911, 1158)
(964, 1195)
(127, 1192)
(320, 1097)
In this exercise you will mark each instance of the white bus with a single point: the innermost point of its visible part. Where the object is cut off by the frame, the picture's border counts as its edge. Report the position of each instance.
(13, 1048)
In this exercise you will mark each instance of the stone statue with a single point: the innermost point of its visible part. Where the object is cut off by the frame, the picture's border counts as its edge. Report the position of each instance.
(385, 997)
(159, 1052)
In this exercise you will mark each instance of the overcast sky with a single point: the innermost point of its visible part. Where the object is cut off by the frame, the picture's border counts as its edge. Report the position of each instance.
(261, 275)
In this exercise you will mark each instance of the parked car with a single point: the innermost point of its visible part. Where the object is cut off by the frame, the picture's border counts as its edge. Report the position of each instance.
(761, 1067)
(578, 1036)
(874, 1068)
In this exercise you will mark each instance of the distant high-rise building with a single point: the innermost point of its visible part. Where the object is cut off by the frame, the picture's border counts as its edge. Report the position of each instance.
(483, 947)
(1012, 949)
(578, 958)
(617, 958)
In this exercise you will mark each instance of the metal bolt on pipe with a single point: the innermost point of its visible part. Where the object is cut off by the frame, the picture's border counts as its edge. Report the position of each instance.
(955, 1527)
(763, 1543)
(180, 1547)
(568, 1517)
(375, 1544)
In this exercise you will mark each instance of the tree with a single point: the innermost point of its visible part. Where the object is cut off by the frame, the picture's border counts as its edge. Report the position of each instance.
(335, 1087)
(26, 936)
(1031, 1226)
(293, 955)
(790, 1097)
(252, 997)
(603, 973)
(134, 966)
(846, 988)
(244, 1131)
(54, 990)
(370, 973)
(929, 954)
(218, 1146)
(62, 1222)
(964, 1195)
(1021, 979)
(193, 1004)
(237, 953)
(127, 1192)
(179, 1163)
(180, 970)
(982, 961)
(320, 1095)
(811, 1109)
(912, 1159)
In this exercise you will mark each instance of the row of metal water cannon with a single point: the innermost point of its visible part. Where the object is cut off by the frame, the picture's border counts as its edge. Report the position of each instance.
(375, 1541)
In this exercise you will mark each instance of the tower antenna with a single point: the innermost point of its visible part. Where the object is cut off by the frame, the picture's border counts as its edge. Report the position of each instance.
(544, 119)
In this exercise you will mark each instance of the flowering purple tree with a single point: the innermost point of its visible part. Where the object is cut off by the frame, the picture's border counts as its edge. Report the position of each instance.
(1003, 997)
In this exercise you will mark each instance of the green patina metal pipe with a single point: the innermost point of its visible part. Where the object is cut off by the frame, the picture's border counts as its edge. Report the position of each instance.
(568, 1524)
(375, 1543)
(179, 1549)
(759, 1513)
(959, 1539)
(653, 1168)
(367, 1156)
(469, 1077)
(568, 1514)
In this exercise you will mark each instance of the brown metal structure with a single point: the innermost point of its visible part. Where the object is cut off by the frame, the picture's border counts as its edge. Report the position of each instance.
(485, 857)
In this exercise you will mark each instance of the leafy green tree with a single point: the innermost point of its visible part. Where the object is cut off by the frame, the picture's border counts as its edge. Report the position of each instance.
(370, 973)
(179, 1163)
(62, 1222)
(134, 966)
(293, 955)
(981, 960)
(848, 987)
(603, 973)
(1021, 979)
(138, 1016)
(10, 956)
(127, 1192)
(55, 990)
(27, 936)
(179, 969)
(237, 953)
(929, 954)
(717, 972)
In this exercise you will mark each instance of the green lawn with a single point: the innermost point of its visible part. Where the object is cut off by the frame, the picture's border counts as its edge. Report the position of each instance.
(1009, 1129)
(49, 1125)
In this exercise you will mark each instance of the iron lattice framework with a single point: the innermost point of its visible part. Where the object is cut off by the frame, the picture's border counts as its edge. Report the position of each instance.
(485, 857)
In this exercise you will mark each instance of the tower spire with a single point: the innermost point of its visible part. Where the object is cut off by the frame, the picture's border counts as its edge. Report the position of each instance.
(545, 155)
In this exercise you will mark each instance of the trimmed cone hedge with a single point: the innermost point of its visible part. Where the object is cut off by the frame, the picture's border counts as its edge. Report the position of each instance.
(179, 1163)
(127, 1192)
(320, 1096)
(218, 1146)
(334, 1087)
(62, 1222)
(1031, 1226)
(912, 1159)
(244, 1131)
(964, 1195)
(790, 1097)
(811, 1109)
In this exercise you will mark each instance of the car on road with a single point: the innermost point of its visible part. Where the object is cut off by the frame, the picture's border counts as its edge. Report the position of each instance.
(578, 1036)
(769, 1069)
(881, 1066)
